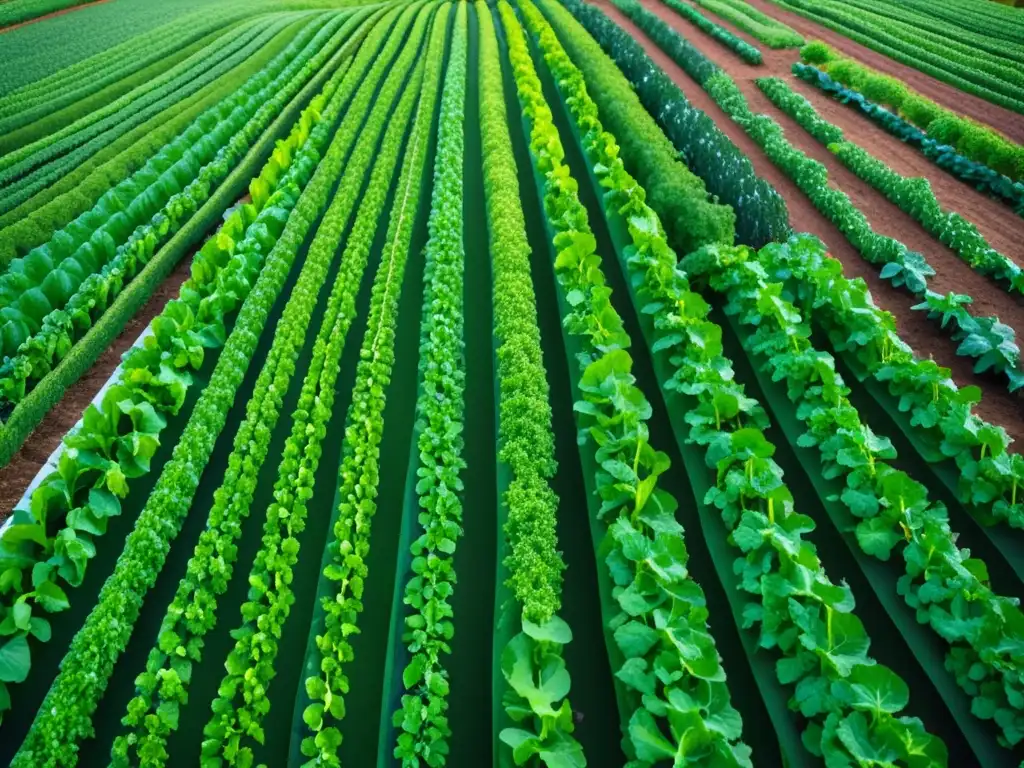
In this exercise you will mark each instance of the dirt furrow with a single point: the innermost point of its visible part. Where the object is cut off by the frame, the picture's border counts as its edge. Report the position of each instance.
(26, 463)
(994, 220)
(998, 405)
(949, 96)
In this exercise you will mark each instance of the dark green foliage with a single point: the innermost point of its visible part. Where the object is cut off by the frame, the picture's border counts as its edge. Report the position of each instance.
(761, 214)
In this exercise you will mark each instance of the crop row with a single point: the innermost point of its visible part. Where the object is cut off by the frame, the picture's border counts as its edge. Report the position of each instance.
(912, 195)
(769, 31)
(989, 342)
(989, 20)
(987, 47)
(50, 116)
(975, 140)
(961, 68)
(65, 719)
(440, 412)
(749, 53)
(945, 156)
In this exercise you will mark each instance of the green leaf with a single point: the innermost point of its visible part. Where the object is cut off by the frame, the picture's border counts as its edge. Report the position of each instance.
(15, 661)
(635, 639)
(51, 597)
(554, 630)
(648, 741)
(877, 537)
(877, 689)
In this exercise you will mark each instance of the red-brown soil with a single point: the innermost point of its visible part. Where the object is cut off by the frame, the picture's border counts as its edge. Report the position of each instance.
(51, 15)
(26, 463)
(949, 96)
(996, 222)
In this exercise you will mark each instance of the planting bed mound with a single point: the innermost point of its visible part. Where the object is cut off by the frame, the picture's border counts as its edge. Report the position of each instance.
(998, 405)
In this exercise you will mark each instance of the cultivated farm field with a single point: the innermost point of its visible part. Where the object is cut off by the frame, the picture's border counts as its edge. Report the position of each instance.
(511, 382)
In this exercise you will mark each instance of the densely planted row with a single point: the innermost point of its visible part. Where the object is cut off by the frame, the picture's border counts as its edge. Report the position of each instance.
(761, 214)
(912, 195)
(531, 636)
(893, 510)
(944, 155)
(657, 601)
(163, 688)
(749, 53)
(440, 412)
(63, 287)
(681, 198)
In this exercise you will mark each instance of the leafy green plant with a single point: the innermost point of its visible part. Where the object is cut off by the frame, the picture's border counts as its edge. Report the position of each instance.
(163, 687)
(947, 588)
(660, 607)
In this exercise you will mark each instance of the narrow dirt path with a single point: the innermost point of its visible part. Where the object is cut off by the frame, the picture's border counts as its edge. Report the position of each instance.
(51, 15)
(994, 220)
(1010, 123)
(998, 405)
(26, 463)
